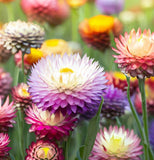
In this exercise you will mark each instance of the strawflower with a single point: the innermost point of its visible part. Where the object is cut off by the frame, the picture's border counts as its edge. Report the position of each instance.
(4, 141)
(44, 150)
(95, 31)
(76, 3)
(51, 126)
(136, 53)
(53, 12)
(5, 83)
(116, 144)
(19, 35)
(20, 96)
(69, 84)
(55, 46)
(7, 113)
(119, 81)
(110, 6)
(115, 102)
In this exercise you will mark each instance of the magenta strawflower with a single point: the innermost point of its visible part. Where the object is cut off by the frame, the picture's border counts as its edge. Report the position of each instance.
(52, 126)
(44, 150)
(116, 144)
(4, 141)
(7, 113)
(20, 95)
(136, 53)
(69, 84)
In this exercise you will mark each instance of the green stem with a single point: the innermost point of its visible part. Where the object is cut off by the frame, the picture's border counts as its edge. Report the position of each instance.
(144, 112)
(144, 108)
(74, 21)
(67, 147)
(136, 118)
(20, 122)
(23, 69)
(16, 77)
(118, 122)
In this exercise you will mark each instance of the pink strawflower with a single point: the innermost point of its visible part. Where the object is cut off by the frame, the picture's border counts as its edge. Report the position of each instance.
(52, 11)
(116, 144)
(7, 113)
(44, 150)
(45, 124)
(136, 53)
(4, 141)
(21, 96)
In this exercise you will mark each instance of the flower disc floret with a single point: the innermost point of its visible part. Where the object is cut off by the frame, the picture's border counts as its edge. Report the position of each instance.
(45, 124)
(116, 143)
(69, 84)
(44, 150)
(136, 53)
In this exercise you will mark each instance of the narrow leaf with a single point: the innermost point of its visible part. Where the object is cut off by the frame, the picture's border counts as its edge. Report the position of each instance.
(91, 133)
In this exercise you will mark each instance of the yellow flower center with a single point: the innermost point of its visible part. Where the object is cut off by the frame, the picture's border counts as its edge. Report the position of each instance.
(45, 149)
(137, 47)
(46, 152)
(52, 119)
(66, 70)
(119, 75)
(24, 92)
(116, 145)
(101, 23)
(52, 42)
(122, 77)
(76, 3)
(34, 56)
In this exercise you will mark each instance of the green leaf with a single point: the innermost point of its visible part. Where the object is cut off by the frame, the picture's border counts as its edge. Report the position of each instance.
(91, 133)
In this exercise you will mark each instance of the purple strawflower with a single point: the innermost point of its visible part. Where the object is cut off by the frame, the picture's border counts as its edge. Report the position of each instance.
(115, 102)
(151, 134)
(110, 6)
(67, 83)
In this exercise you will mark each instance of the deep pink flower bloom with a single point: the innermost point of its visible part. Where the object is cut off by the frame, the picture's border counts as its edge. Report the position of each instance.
(44, 150)
(45, 124)
(7, 113)
(4, 141)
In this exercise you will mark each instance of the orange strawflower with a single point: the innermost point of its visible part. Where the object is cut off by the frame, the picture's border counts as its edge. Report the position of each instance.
(95, 31)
